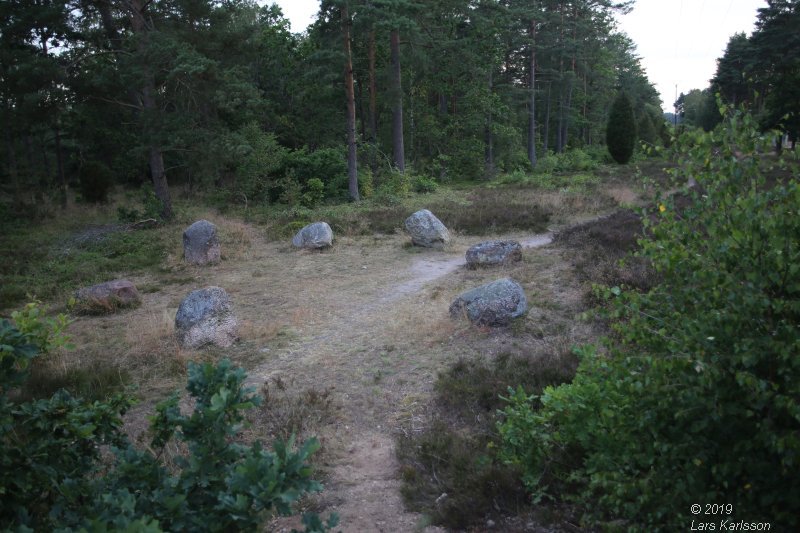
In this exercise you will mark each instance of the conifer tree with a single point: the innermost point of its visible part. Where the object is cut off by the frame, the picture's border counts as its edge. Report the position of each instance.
(621, 129)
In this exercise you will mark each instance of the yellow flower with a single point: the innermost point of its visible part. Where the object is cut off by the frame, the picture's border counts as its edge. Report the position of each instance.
(662, 208)
(748, 486)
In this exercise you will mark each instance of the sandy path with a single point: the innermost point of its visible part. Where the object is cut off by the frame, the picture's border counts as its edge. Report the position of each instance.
(350, 342)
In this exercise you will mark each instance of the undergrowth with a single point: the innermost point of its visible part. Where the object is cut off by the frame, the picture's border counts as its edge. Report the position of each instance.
(451, 470)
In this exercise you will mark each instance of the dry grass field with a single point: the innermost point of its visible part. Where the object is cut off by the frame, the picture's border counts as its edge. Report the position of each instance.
(347, 344)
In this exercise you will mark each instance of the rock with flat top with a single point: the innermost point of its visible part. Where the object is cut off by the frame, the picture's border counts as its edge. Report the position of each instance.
(427, 230)
(314, 236)
(107, 297)
(206, 316)
(201, 244)
(493, 304)
(492, 253)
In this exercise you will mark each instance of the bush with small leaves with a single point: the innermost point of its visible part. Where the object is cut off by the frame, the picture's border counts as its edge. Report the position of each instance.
(52, 474)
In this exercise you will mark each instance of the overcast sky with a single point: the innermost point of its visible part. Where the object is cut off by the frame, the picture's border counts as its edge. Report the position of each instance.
(678, 40)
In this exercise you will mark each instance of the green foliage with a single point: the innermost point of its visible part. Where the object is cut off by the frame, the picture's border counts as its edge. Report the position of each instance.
(568, 161)
(621, 129)
(256, 158)
(696, 398)
(151, 207)
(95, 182)
(395, 183)
(52, 474)
(314, 192)
(424, 184)
(51, 261)
(48, 333)
(461, 460)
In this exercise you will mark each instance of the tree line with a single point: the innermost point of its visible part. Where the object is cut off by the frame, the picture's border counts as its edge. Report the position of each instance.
(221, 94)
(760, 71)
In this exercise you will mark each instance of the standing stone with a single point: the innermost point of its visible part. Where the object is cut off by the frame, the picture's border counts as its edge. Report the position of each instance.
(107, 297)
(491, 253)
(206, 317)
(493, 304)
(200, 243)
(427, 230)
(313, 236)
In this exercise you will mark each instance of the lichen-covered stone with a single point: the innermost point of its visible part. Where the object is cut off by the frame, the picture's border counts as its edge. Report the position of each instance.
(107, 297)
(427, 230)
(201, 244)
(313, 236)
(206, 316)
(491, 253)
(493, 304)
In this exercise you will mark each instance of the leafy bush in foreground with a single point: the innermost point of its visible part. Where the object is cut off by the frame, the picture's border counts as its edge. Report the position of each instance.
(696, 399)
(52, 473)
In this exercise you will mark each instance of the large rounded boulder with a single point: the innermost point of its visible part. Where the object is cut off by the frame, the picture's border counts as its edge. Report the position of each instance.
(493, 304)
(206, 316)
(427, 230)
(107, 297)
(201, 244)
(491, 253)
(314, 236)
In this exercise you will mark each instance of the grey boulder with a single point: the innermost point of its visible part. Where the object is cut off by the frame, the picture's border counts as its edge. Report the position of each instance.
(427, 230)
(491, 253)
(201, 244)
(107, 297)
(313, 236)
(205, 316)
(493, 304)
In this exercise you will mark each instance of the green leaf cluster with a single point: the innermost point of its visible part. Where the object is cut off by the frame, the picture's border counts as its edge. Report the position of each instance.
(695, 397)
(53, 474)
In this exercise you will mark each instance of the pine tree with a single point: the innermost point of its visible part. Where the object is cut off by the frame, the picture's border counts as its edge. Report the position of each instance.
(621, 129)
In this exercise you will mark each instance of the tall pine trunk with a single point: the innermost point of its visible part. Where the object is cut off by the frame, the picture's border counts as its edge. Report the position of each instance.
(546, 143)
(352, 162)
(373, 104)
(398, 149)
(532, 99)
(489, 168)
(148, 90)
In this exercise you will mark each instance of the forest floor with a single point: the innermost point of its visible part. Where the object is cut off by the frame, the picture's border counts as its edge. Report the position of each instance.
(345, 344)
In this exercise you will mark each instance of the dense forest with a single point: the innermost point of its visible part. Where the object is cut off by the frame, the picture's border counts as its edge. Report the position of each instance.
(222, 94)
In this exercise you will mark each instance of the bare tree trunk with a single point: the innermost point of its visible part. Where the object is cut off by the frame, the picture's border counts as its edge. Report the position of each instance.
(546, 143)
(352, 163)
(398, 150)
(532, 99)
(62, 178)
(373, 104)
(156, 156)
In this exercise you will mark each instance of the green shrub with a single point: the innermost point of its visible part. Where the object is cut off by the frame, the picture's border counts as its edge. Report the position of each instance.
(621, 129)
(424, 184)
(314, 193)
(96, 181)
(395, 183)
(151, 207)
(48, 333)
(53, 475)
(696, 399)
